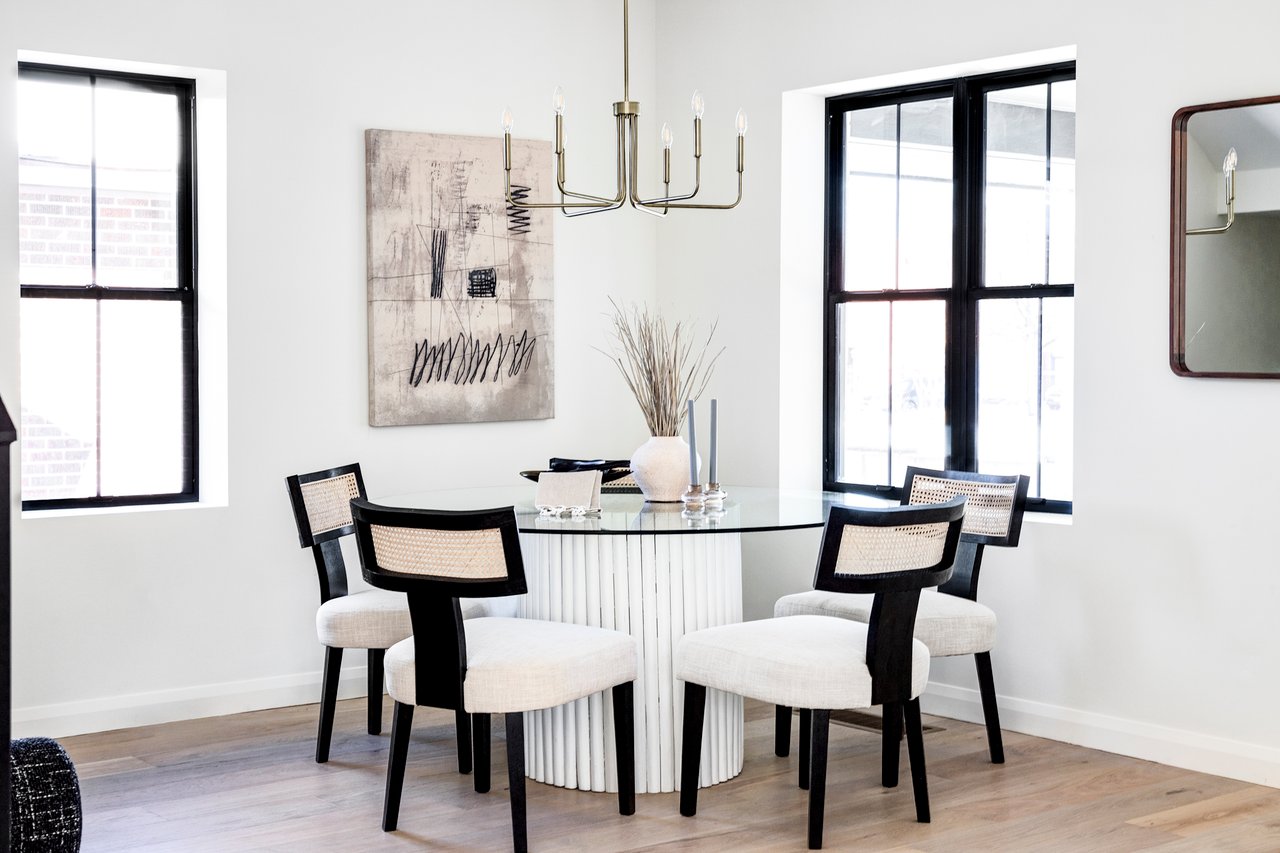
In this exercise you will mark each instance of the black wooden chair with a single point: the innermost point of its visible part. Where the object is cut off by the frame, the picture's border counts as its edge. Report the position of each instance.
(951, 621)
(822, 663)
(373, 620)
(485, 665)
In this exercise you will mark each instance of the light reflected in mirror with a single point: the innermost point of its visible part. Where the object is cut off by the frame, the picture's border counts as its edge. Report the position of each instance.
(1225, 290)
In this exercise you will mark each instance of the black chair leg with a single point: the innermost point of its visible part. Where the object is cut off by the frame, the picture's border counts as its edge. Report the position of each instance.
(782, 730)
(915, 751)
(375, 690)
(695, 706)
(328, 700)
(624, 739)
(401, 723)
(891, 749)
(987, 687)
(515, 781)
(480, 737)
(806, 750)
(462, 721)
(818, 780)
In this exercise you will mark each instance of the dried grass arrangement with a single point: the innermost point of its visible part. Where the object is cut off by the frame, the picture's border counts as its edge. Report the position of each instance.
(664, 366)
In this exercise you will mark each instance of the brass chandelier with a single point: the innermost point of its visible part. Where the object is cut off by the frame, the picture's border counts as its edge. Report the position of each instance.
(627, 117)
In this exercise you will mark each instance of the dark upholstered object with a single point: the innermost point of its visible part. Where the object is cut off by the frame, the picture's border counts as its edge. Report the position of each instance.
(44, 798)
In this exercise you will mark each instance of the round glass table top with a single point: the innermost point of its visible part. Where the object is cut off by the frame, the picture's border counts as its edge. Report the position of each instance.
(746, 509)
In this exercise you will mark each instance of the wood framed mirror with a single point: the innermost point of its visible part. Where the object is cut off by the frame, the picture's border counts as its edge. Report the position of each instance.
(1225, 240)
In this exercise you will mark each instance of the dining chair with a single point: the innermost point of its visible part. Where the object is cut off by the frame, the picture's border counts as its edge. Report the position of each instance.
(823, 663)
(486, 665)
(950, 621)
(374, 619)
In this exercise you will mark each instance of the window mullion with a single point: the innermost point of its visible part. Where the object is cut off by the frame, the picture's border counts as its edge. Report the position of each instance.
(833, 276)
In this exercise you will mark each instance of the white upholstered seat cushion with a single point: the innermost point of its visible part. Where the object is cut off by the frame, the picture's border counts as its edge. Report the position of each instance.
(379, 618)
(525, 664)
(801, 661)
(373, 619)
(947, 624)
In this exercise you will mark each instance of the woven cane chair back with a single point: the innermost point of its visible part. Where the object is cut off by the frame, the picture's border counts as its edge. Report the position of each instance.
(459, 554)
(472, 554)
(994, 504)
(879, 550)
(897, 548)
(322, 503)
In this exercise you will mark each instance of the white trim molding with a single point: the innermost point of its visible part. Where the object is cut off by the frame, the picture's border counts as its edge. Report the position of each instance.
(1175, 747)
(189, 703)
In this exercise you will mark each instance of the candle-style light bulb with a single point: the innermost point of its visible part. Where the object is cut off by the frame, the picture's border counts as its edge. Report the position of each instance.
(508, 120)
(557, 101)
(698, 104)
(1229, 162)
(741, 123)
(667, 138)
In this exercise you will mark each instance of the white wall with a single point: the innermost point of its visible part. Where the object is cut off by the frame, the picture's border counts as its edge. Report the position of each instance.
(1143, 627)
(1146, 626)
(125, 619)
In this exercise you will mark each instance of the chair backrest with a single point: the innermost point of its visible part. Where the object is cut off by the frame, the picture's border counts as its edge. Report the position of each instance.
(892, 552)
(435, 557)
(322, 510)
(992, 516)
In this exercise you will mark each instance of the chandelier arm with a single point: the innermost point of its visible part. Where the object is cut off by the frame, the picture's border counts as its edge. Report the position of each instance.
(531, 205)
(730, 206)
(613, 204)
(685, 206)
(618, 200)
(697, 185)
(652, 210)
(661, 201)
(594, 203)
(576, 213)
(632, 169)
(584, 196)
(633, 177)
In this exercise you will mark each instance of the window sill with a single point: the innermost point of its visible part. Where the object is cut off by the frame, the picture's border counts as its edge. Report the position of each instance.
(34, 514)
(1061, 519)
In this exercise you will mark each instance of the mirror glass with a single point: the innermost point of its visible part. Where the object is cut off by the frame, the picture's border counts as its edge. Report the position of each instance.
(1225, 317)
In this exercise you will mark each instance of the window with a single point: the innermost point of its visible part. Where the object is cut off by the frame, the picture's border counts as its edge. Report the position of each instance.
(106, 202)
(950, 282)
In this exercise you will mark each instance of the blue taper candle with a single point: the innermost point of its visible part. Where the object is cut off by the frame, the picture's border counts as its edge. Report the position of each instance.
(693, 449)
(711, 476)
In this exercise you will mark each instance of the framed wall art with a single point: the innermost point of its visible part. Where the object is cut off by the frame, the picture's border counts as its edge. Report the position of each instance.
(460, 283)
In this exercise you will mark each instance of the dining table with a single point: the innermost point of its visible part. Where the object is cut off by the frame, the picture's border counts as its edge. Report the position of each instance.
(656, 572)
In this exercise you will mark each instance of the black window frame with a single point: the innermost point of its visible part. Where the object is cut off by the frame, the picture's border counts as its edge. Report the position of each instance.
(968, 244)
(184, 291)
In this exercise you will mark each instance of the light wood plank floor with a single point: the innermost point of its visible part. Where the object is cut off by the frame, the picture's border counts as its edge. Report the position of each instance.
(249, 782)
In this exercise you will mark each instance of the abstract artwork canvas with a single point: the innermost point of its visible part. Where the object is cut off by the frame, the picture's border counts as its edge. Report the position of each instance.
(460, 282)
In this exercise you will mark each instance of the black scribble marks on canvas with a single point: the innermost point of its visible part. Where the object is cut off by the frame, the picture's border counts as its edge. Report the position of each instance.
(518, 217)
(465, 360)
(471, 221)
(439, 247)
(483, 283)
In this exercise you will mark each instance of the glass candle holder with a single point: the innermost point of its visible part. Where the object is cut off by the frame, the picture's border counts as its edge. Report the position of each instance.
(694, 499)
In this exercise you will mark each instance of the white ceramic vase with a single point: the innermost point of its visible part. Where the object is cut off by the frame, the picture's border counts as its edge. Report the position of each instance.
(660, 468)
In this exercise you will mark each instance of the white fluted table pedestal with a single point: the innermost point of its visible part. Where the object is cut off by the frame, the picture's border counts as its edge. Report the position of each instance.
(656, 588)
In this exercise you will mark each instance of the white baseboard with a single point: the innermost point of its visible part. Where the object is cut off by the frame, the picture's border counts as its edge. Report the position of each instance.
(1175, 747)
(167, 706)
(1162, 744)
